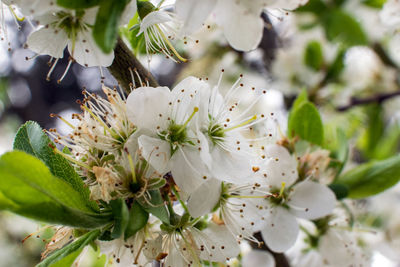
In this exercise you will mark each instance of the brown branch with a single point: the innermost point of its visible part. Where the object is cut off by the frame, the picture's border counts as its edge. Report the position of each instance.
(124, 61)
(368, 100)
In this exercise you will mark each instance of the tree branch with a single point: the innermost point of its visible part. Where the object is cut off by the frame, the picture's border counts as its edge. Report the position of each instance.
(368, 100)
(124, 63)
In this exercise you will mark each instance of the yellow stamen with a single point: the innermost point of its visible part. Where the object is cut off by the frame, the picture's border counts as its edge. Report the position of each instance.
(132, 166)
(64, 120)
(15, 15)
(242, 124)
(195, 110)
(171, 46)
(98, 119)
(83, 165)
(282, 189)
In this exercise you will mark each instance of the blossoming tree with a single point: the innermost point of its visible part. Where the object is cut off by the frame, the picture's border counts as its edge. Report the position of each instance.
(202, 173)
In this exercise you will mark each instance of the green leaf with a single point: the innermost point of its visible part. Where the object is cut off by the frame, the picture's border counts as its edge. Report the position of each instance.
(31, 139)
(68, 260)
(313, 56)
(342, 27)
(371, 178)
(305, 122)
(314, 6)
(29, 189)
(138, 218)
(75, 246)
(341, 191)
(121, 216)
(300, 100)
(374, 130)
(105, 31)
(374, 3)
(337, 66)
(157, 206)
(78, 4)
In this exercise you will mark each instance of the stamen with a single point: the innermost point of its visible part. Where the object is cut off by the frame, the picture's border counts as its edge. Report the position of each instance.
(171, 46)
(97, 119)
(83, 165)
(52, 115)
(66, 71)
(195, 110)
(282, 189)
(15, 15)
(241, 124)
(132, 166)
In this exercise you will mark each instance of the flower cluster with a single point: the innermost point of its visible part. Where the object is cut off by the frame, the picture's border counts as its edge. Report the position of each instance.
(197, 150)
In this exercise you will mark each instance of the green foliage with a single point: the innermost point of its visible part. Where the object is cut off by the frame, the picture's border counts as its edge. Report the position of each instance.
(313, 56)
(31, 139)
(341, 191)
(157, 206)
(121, 217)
(62, 255)
(335, 69)
(68, 260)
(305, 121)
(374, 3)
(342, 27)
(78, 4)
(138, 218)
(29, 189)
(371, 178)
(105, 31)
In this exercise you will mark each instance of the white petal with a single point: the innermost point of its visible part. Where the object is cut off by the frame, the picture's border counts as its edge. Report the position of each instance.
(193, 13)
(280, 229)
(38, 41)
(187, 92)
(129, 12)
(145, 104)
(188, 170)
(153, 18)
(230, 167)
(311, 200)
(37, 7)
(281, 166)
(219, 244)
(242, 26)
(156, 152)
(258, 258)
(205, 198)
(87, 53)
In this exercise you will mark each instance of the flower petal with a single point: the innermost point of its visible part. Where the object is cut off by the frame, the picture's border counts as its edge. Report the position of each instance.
(129, 12)
(87, 53)
(193, 13)
(205, 198)
(280, 229)
(258, 258)
(310, 200)
(281, 166)
(156, 152)
(38, 41)
(242, 26)
(145, 104)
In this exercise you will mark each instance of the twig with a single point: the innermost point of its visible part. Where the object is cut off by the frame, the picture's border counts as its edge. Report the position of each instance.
(368, 100)
(124, 63)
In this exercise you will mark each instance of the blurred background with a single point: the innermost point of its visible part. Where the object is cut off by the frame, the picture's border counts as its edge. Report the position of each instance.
(339, 54)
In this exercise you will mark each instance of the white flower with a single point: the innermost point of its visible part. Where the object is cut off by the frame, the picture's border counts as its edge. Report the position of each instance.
(225, 127)
(188, 246)
(235, 204)
(390, 14)
(68, 28)
(159, 29)
(240, 19)
(125, 253)
(173, 136)
(306, 199)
